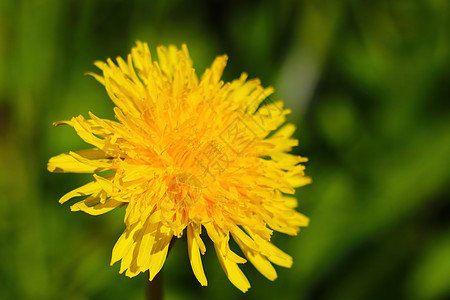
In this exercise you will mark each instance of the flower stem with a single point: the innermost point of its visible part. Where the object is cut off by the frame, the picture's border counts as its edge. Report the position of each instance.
(155, 287)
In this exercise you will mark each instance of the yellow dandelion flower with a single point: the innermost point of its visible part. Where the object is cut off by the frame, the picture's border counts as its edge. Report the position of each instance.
(188, 154)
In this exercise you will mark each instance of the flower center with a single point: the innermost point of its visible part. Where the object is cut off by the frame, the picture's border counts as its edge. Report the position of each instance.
(184, 189)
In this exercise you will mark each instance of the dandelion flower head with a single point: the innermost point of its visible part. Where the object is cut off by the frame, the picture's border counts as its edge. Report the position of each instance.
(188, 155)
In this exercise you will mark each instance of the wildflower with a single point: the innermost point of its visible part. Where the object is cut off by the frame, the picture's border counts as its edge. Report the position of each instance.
(188, 155)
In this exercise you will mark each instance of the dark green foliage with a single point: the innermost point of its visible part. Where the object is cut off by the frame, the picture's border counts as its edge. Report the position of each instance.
(369, 85)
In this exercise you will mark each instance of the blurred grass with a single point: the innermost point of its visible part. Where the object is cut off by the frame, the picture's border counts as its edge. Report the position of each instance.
(368, 82)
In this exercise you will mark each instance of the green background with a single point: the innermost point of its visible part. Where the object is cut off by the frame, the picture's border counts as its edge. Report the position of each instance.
(368, 83)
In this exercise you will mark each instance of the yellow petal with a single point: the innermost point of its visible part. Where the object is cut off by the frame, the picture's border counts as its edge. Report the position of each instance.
(243, 237)
(217, 68)
(122, 245)
(232, 271)
(97, 209)
(129, 260)
(194, 256)
(148, 239)
(300, 219)
(164, 61)
(159, 253)
(258, 260)
(85, 190)
(273, 253)
(126, 104)
(198, 230)
(298, 181)
(213, 233)
(97, 77)
(58, 123)
(133, 269)
(230, 255)
(286, 131)
(83, 161)
(129, 255)
(84, 131)
(105, 184)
